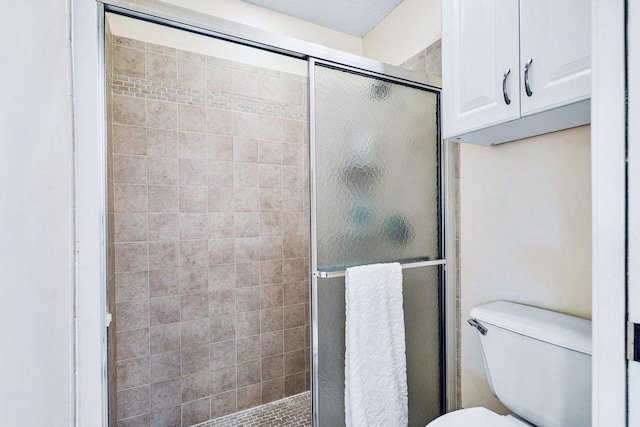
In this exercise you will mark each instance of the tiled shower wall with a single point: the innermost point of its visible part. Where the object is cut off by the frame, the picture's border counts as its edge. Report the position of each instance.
(211, 235)
(429, 61)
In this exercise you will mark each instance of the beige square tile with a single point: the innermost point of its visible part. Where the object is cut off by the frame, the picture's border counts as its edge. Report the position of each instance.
(247, 274)
(219, 121)
(133, 401)
(247, 224)
(130, 198)
(130, 169)
(192, 145)
(131, 257)
(245, 175)
(294, 339)
(164, 254)
(192, 56)
(220, 147)
(221, 251)
(270, 152)
(221, 199)
(193, 199)
(248, 348)
(270, 128)
(219, 78)
(295, 246)
(270, 176)
(270, 223)
(223, 327)
(271, 200)
(222, 302)
(192, 74)
(196, 411)
(193, 171)
(270, 272)
(129, 110)
(164, 310)
(270, 88)
(295, 362)
(167, 416)
(247, 249)
(272, 343)
(163, 50)
(162, 68)
(247, 299)
(162, 114)
(271, 319)
(294, 384)
(222, 277)
(247, 324)
(293, 131)
(249, 397)
(125, 41)
(132, 315)
(221, 225)
(164, 338)
(163, 170)
(294, 270)
(194, 306)
(270, 248)
(293, 91)
(293, 153)
(248, 373)
(164, 366)
(271, 296)
(162, 142)
(131, 286)
(194, 279)
(194, 226)
(223, 404)
(194, 359)
(164, 282)
(223, 354)
(223, 379)
(130, 227)
(133, 343)
(294, 223)
(296, 293)
(192, 118)
(132, 372)
(292, 200)
(294, 316)
(195, 253)
(165, 394)
(246, 125)
(128, 62)
(247, 199)
(129, 140)
(245, 150)
(272, 367)
(195, 332)
(293, 177)
(272, 390)
(196, 386)
(220, 174)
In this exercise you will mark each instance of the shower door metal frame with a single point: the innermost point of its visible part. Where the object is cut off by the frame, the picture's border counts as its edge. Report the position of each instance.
(441, 263)
(90, 97)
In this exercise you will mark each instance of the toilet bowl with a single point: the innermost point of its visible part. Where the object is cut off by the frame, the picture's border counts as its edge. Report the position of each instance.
(538, 364)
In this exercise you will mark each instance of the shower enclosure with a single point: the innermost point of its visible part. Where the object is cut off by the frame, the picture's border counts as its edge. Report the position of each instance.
(244, 173)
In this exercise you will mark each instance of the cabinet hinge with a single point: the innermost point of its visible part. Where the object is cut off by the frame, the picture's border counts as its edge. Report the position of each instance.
(633, 341)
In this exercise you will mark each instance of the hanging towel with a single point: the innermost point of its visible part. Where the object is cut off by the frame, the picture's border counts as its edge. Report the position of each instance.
(375, 360)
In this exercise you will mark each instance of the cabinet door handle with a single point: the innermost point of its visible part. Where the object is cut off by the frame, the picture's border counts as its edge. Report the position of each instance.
(507, 100)
(527, 87)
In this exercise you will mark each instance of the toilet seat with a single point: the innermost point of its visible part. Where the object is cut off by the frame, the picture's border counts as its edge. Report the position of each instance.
(476, 417)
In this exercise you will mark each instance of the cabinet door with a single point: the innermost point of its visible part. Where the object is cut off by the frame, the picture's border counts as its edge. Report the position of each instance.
(555, 39)
(479, 45)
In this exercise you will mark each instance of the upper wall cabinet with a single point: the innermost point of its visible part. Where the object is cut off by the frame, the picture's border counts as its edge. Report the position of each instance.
(514, 69)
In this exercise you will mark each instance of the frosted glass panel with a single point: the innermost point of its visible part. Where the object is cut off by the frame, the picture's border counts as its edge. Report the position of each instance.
(421, 300)
(377, 171)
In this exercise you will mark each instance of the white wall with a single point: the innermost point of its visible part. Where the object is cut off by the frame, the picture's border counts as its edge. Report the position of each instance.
(406, 30)
(525, 235)
(265, 19)
(35, 215)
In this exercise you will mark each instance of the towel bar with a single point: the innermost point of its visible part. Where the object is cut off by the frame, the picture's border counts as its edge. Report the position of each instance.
(342, 273)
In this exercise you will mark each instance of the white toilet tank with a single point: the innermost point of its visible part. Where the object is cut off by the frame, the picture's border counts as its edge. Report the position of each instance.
(538, 362)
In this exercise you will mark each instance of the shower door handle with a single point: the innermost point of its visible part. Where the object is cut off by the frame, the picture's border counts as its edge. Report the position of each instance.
(507, 100)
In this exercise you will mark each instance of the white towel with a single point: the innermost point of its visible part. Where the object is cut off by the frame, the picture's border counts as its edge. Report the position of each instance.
(375, 360)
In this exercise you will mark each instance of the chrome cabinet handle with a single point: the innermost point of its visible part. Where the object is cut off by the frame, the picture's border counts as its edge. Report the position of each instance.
(527, 87)
(507, 100)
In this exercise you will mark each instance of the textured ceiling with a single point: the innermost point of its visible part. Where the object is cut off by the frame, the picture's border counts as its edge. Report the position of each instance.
(355, 17)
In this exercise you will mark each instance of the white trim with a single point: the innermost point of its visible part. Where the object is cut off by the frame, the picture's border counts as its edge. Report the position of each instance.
(608, 202)
(91, 355)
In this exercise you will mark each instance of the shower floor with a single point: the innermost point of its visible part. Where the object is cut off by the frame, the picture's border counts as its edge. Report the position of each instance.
(294, 411)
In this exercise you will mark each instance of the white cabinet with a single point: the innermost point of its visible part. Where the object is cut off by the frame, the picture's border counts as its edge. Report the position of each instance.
(514, 68)
(482, 57)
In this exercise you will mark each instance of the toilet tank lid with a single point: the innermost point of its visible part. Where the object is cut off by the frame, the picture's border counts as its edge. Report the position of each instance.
(544, 325)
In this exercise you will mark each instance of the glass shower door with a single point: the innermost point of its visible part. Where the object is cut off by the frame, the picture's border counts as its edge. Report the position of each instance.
(376, 197)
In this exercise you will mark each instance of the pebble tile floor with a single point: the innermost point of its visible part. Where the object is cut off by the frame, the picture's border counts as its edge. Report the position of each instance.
(294, 411)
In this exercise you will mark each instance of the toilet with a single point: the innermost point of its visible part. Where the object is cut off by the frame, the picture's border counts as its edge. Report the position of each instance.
(537, 362)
